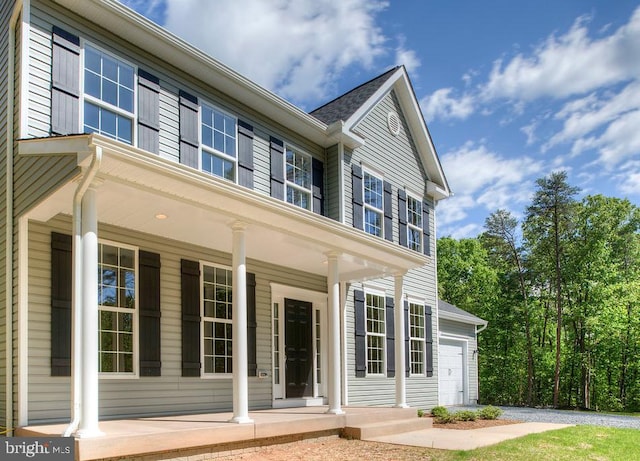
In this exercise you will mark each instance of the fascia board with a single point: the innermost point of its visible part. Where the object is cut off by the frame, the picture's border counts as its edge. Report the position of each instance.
(471, 320)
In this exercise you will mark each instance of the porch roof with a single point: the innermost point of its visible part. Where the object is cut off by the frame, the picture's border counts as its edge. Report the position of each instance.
(135, 186)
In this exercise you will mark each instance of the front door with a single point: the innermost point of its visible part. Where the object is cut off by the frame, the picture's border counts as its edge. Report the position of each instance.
(298, 348)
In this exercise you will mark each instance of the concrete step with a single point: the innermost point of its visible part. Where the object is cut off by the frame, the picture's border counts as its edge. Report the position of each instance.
(381, 428)
(368, 415)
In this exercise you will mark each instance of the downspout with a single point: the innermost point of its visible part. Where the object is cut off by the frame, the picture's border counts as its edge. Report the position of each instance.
(76, 342)
(8, 430)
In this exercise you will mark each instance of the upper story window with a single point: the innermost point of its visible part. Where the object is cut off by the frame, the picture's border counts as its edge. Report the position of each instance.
(373, 203)
(376, 334)
(414, 223)
(217, 322)
(218, 138)
(108, 95)
(417, 335)
(117, 301)
(298, 178)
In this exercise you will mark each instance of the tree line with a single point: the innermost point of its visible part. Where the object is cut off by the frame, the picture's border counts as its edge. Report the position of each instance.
(561, 292)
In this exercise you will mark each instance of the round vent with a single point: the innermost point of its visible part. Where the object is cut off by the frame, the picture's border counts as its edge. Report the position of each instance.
(393, 122)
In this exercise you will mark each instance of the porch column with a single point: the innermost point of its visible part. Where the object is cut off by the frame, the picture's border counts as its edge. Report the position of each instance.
(239, 329)
(333, 383)
(401, 392)
(88, 426)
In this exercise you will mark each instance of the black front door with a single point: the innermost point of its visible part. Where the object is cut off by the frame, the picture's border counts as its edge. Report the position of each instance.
(298, 340)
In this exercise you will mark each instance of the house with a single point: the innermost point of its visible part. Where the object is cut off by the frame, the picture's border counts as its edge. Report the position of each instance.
(458, 354)
(249, 255)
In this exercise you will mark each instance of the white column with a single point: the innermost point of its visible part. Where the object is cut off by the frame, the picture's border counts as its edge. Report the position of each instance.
(401, 392)
(239, 313)
(333, 382)
(89, 355)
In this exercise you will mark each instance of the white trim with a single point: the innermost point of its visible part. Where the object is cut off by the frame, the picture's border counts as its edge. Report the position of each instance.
(383, 295)
(211, 150)
(23, 321)
(288, 183)
(25, 62)
(423, 339)
(417, 198)
(341, 182)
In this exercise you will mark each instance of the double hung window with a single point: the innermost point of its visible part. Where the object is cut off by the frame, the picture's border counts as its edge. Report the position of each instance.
(373, 204)
(218, 142)
(217, 321)
(417, 335)
(108, 95)
(414, 223)
(117, 304)
(298, 176)
(375, 318)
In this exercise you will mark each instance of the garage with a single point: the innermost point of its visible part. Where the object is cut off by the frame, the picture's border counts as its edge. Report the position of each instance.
(452, 372)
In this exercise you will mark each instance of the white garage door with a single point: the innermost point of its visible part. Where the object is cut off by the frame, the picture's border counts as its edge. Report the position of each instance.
(451, 369)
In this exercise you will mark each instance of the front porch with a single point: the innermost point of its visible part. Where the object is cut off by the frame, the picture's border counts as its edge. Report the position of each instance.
(211, 435)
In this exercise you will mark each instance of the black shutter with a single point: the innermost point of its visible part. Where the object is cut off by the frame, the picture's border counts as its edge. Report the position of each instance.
(189, 142)
(388, 212)
(251, 325)
(65, 83)
(402, 217)
(361, 334)
(426, 233)
(407, 342)
(429, 340)
(148, 112)
(245, 154)
(358, 202)
(190, 294)
(277, 168)
(318, 186)
(149, 302)
(391, 335)
(61, 286)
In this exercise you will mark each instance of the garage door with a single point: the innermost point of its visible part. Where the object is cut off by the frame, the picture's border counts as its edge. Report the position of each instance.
(451, 369)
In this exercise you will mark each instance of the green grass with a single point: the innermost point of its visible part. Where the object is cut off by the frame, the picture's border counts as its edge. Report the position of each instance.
(573, 443)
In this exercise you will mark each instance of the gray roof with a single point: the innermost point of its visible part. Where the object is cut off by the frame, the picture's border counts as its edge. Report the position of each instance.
(346, 105)
(452, 312)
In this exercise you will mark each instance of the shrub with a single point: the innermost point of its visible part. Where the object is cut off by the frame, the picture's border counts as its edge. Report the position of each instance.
(420, 413)
(439, 412)
(465, 415)
(489, 412)
(446, 419)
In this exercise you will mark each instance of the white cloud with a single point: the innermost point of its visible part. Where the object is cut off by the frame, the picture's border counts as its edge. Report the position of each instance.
(467, 231)
(568, 65)
(294, 48)
(407, 58)
(440, 104)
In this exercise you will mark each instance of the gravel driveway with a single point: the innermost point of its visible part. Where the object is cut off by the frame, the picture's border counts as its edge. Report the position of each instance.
(539, 415)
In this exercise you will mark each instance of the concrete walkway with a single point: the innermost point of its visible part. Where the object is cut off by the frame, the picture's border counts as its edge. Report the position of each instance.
(454, 439)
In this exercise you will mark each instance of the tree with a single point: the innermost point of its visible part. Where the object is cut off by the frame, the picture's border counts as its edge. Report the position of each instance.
(547, 229)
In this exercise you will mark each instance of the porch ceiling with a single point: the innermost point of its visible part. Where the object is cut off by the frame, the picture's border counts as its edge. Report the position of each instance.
(135, 186)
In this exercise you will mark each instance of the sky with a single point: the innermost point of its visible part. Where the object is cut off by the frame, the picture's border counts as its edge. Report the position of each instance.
(511, 90)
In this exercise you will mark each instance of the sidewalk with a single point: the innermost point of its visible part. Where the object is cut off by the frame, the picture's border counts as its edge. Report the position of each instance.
(453, 439)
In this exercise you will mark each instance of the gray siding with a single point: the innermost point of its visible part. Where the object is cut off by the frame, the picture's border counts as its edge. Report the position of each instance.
(396, 157)
(333, 193)
(467, 332)
(170, 393)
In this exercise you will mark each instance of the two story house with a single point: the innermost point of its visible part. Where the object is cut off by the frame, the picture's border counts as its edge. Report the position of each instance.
(178, 239)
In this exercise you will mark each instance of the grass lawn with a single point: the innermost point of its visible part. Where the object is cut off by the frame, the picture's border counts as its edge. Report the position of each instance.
(573, 443)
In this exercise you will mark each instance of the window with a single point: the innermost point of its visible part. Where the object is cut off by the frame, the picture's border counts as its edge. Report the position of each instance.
(218, 138)
(373, 204)
(117, 300)
(216, 319)
(298, 178)
(108, 95)
(375, 310)
(416, 338)
(414, 223)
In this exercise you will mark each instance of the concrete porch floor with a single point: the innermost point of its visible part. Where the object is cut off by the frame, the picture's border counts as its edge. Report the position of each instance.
(210, 435)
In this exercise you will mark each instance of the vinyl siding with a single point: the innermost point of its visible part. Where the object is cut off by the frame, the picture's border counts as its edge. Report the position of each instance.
(467, 332)
(397, 159)
(170, 393)
(332, 193)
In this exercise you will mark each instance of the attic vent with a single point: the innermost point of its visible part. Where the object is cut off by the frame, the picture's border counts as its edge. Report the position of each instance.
(393, 122)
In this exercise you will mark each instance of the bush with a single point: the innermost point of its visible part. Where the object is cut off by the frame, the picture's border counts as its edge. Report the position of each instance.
(439, 412)
(446, 419)
(420, 413)
(489, 412)
(465, 415)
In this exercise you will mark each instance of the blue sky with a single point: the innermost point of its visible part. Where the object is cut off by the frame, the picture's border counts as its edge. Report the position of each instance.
(511, 90)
